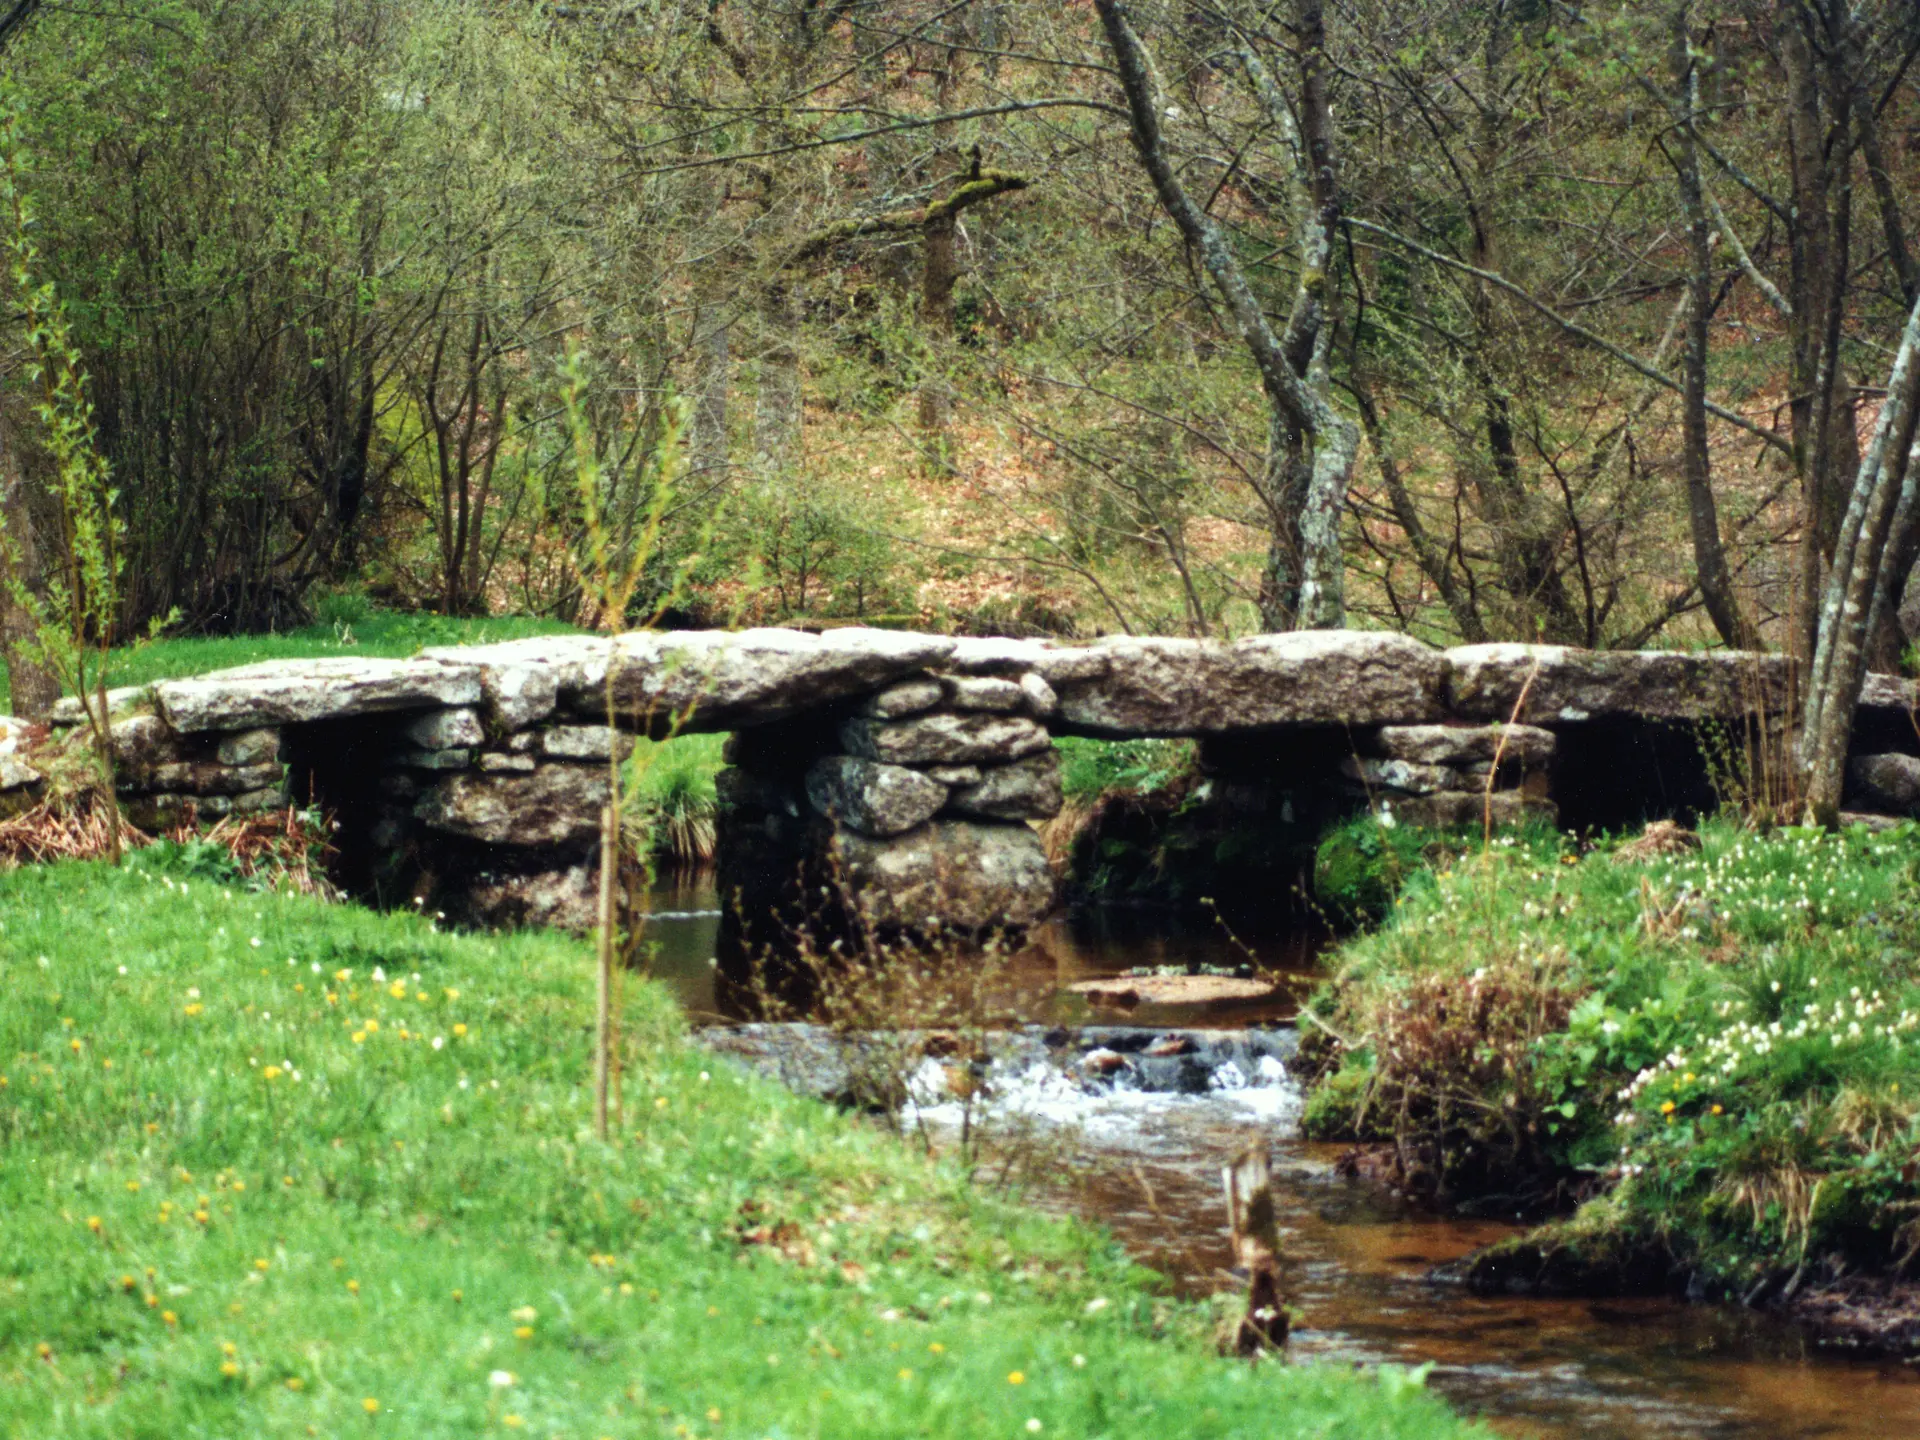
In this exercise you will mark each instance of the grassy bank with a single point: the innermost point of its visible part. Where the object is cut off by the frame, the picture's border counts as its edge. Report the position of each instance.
(367, 632)
(1720, 1046)
(275, 1168)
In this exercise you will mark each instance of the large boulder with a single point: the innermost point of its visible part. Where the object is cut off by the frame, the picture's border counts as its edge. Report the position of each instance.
(557, 805)
(289, 692)
(1307, 677)
(1889, 783)
(945, 738)
(1556, 684)
(1028, 789)
(949, 874)
(872, 798)
(717, 680)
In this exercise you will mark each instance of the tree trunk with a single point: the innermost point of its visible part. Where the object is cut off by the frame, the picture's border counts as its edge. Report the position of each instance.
(938, 268)
(1703, 516)
(1308, 439)
(776, 411)
(713, 375)
(1883, 484)
(34, 687)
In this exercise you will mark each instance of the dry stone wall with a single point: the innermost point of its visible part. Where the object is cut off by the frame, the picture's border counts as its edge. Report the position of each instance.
(909, 770)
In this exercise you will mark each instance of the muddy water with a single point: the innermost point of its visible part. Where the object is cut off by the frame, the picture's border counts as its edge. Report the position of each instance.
(1149, 1169)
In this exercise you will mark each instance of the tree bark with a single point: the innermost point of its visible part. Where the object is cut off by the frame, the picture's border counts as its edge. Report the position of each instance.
(1883, 483)
(34, 686)
(777, 414)
(1309, 439)
(938, 269)
(1703, 515)
(713, 377)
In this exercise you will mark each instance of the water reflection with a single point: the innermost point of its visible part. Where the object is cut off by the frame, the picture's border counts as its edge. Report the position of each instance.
(1601, 1370)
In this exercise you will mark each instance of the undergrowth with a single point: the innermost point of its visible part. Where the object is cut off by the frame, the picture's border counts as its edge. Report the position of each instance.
(277, 1168)
(1725, 1041)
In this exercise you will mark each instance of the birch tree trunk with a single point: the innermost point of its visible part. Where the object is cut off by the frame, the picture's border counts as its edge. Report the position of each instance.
(1309, 438)
(1883, 484)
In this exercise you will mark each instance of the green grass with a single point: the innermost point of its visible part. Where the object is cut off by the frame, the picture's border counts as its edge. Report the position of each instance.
(376, 633)
(1727, 1041)
(233, 1206)
(1091, 768)
(670, 786)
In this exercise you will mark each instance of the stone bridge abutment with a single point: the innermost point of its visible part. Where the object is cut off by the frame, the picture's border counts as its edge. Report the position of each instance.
(905, 771)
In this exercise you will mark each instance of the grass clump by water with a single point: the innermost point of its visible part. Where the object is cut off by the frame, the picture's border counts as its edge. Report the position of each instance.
(278, 1169)
(672, 802)
(1092, 768)
(1724, 1041)
(370, 632)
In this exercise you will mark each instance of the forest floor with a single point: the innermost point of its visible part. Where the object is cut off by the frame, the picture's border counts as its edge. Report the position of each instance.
(1715, 1045)
(281, 1168)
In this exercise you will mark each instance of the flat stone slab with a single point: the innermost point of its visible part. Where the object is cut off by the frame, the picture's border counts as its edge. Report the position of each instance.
(1206, 687)
(1127, 991)
(719, 680)
(1567, 686)
(293, 692)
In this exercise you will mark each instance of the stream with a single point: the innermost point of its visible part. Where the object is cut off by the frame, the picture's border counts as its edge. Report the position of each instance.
(1148, 1167)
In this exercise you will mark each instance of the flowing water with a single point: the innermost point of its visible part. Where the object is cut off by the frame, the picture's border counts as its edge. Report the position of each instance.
(1148, 1166)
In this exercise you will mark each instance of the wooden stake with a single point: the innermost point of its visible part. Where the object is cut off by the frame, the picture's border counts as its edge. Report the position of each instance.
(1256, 1249)
(603, 1017)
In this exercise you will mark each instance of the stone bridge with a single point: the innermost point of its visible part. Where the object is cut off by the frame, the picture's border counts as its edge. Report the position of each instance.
(910, 766)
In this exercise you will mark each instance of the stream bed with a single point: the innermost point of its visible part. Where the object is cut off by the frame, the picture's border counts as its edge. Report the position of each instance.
(1147, 1166)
